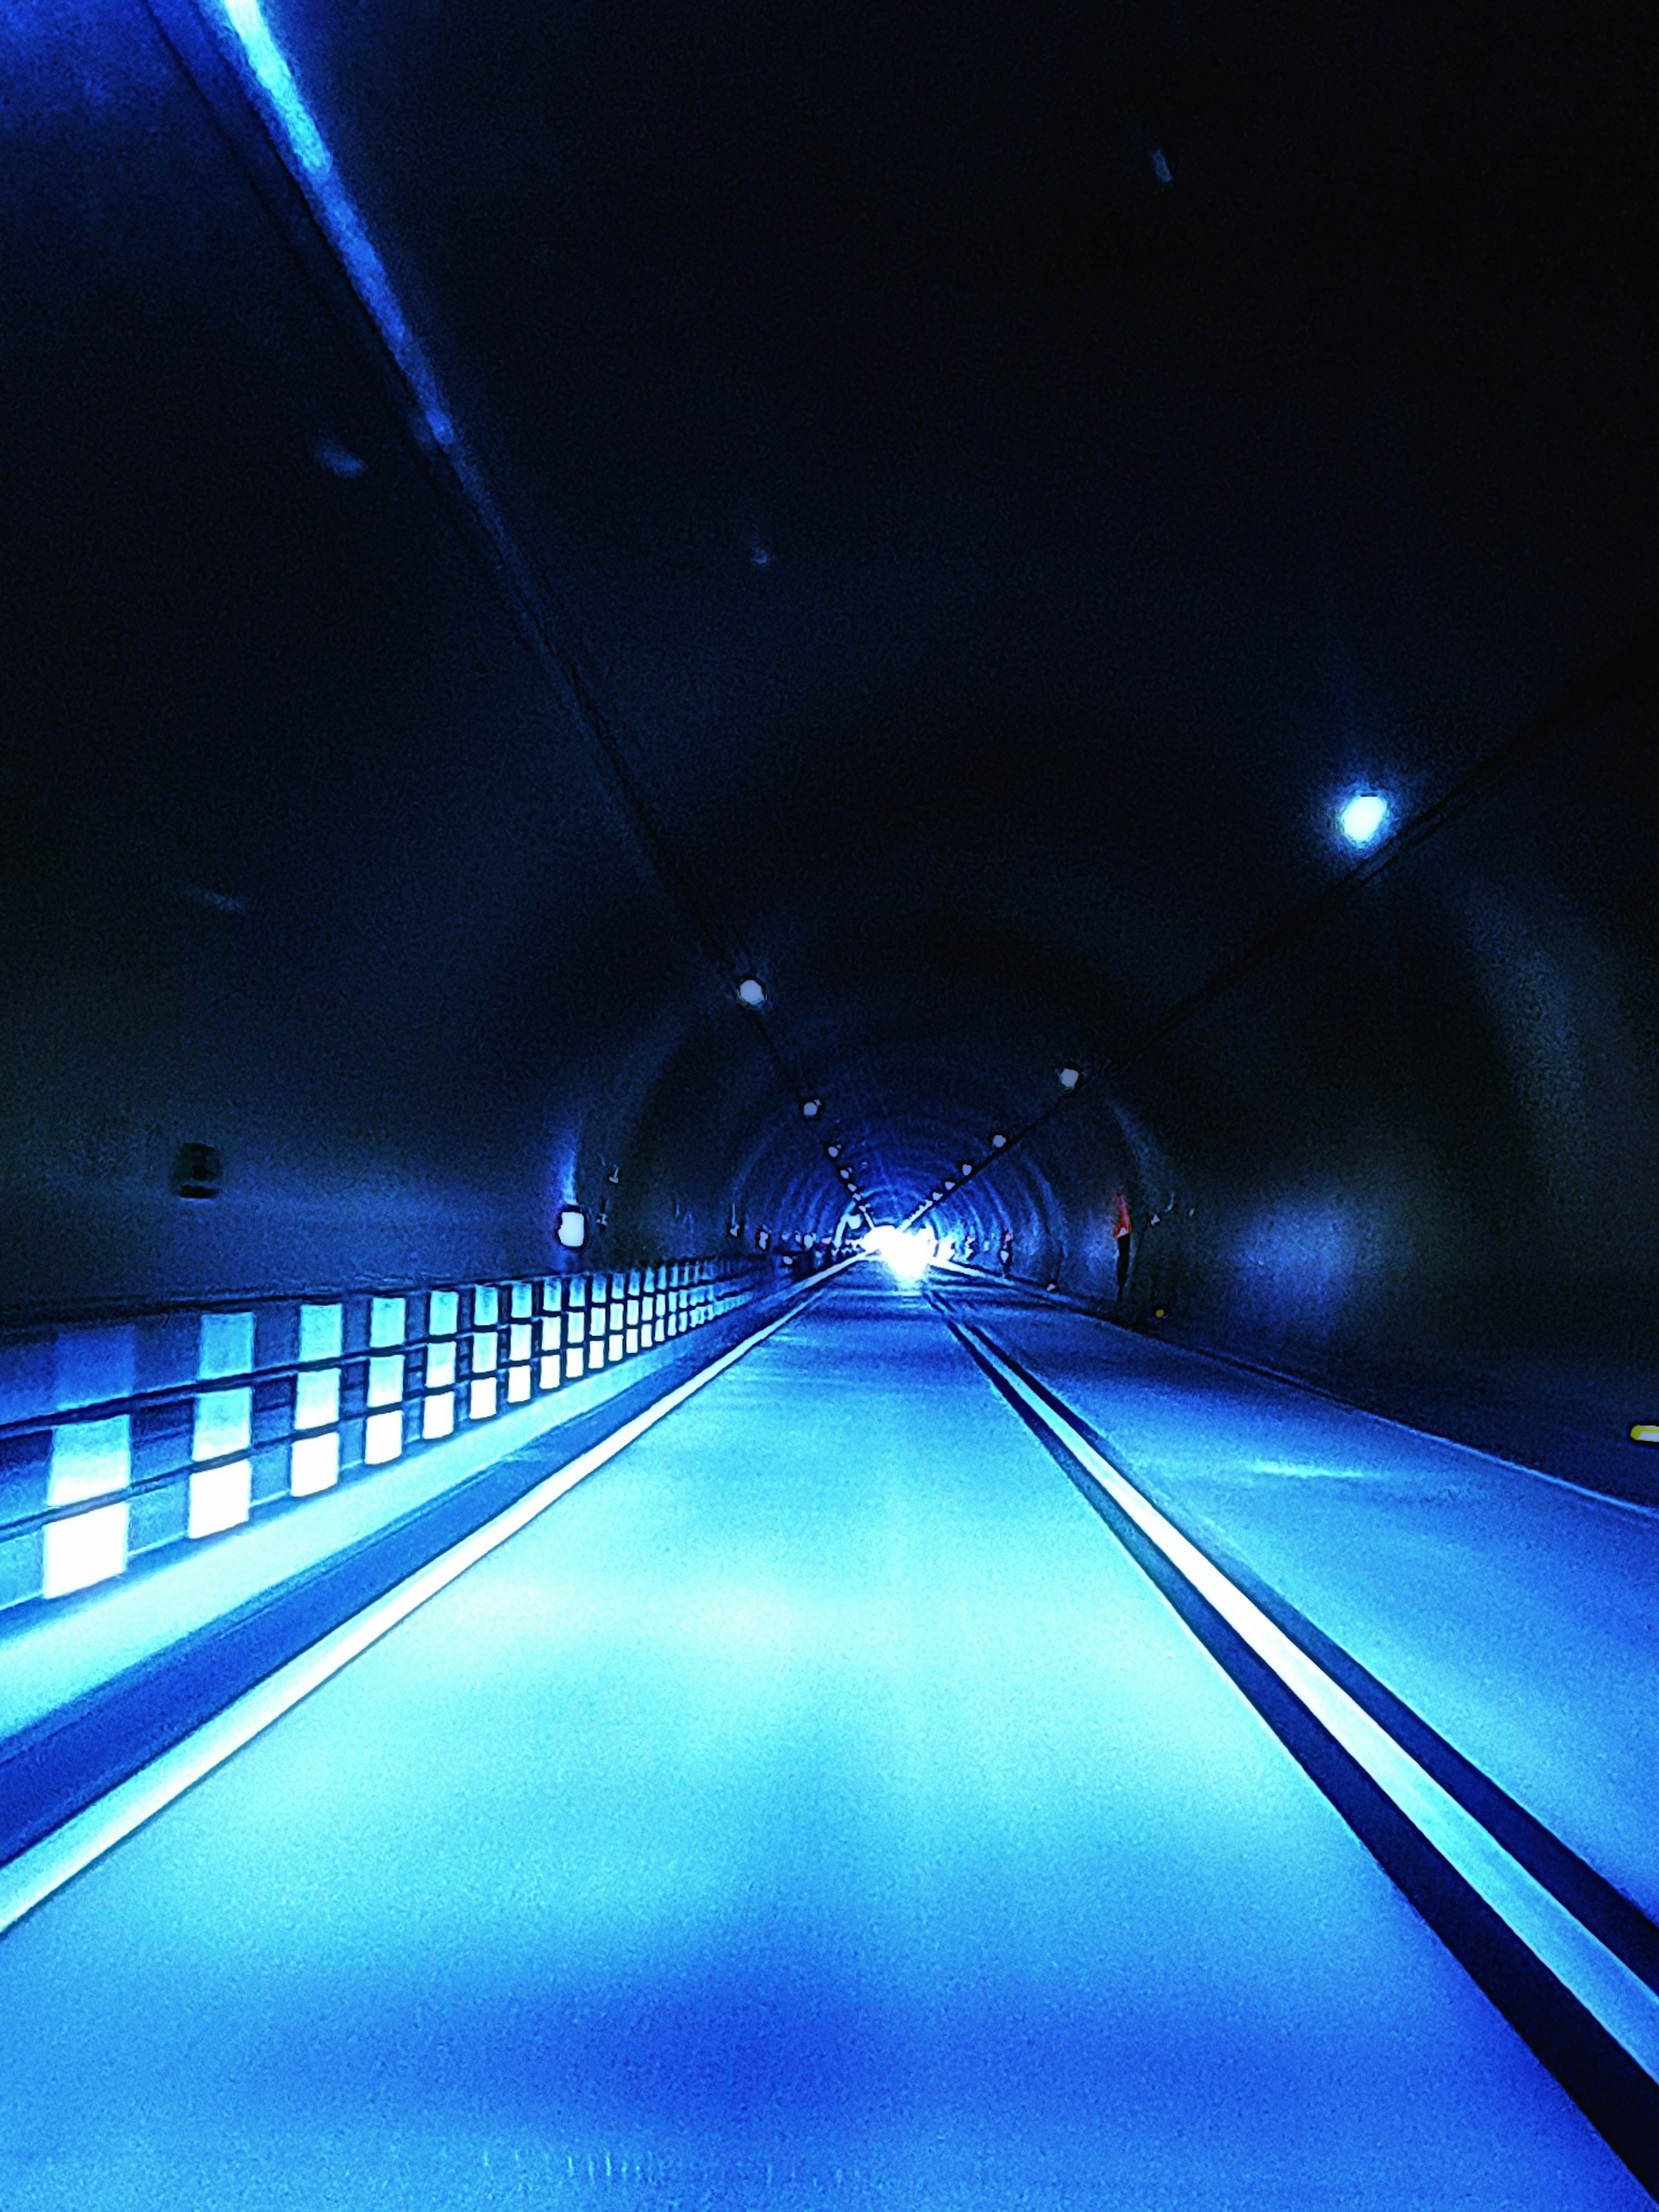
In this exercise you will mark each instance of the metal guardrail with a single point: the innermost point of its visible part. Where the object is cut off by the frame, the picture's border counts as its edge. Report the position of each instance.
(119, 1438)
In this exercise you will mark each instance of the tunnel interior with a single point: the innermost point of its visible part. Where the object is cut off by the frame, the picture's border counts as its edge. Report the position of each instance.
(649, 649)
(935, 515)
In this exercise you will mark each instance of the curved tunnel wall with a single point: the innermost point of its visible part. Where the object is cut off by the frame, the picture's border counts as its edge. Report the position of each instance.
(1413, 1159)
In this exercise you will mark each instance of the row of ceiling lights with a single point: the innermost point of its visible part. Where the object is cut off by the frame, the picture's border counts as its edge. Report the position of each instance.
(1068, 1079)
(1361, 819)
(751, 993)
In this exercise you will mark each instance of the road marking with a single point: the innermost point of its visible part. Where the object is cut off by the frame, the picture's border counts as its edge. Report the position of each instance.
(1619, 1999)
(38, 1873)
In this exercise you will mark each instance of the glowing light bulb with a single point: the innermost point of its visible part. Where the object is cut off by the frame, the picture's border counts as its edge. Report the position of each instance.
(1364, 817)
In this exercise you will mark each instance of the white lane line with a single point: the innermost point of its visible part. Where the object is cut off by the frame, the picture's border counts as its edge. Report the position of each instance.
(1620, 2000)
(34, 1874)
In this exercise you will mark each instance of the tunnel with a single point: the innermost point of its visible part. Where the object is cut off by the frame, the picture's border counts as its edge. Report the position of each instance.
(830, 1133)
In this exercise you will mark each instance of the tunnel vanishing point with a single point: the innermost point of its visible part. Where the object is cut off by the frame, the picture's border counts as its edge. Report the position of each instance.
(831, 1118)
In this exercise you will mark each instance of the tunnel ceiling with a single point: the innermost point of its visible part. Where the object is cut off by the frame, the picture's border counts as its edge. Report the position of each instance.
(999, 474)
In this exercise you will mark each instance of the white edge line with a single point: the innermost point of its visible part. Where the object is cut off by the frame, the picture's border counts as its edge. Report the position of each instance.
(37, 1873)
(1620, 2000)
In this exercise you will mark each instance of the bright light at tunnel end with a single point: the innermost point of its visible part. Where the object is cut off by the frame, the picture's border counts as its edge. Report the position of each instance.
(908, 1252)
(1364, 817)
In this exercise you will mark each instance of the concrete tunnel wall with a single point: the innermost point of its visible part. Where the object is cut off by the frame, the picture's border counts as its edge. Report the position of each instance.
(1413, 1157)
(342, 1156)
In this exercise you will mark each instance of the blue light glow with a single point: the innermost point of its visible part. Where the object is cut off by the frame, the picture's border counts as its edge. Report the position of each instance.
(306, 152)
(270, 66)
(1364, 817)
(338, 460)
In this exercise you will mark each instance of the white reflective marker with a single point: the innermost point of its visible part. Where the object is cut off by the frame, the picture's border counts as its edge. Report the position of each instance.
(36, 1874)
(89, 1459)
(1620, 2000)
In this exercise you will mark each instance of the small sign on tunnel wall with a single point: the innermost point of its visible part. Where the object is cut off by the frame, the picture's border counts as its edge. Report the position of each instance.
(198, 1171)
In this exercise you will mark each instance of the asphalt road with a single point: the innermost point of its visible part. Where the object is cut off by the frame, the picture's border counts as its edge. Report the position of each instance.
(816, 1807)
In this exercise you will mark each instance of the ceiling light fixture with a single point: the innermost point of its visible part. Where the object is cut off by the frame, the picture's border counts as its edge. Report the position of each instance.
(1364, 817)
(751, 991)
(1069, 1078)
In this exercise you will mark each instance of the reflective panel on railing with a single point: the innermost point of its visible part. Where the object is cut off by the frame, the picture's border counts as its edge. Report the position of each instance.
(222, 1497)
(314, 1461)
(518, 1378)
(89, 1459)
(121, 1438)
(383, 1432)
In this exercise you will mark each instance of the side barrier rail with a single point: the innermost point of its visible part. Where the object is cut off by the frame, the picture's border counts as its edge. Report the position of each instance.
(119, 1437)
